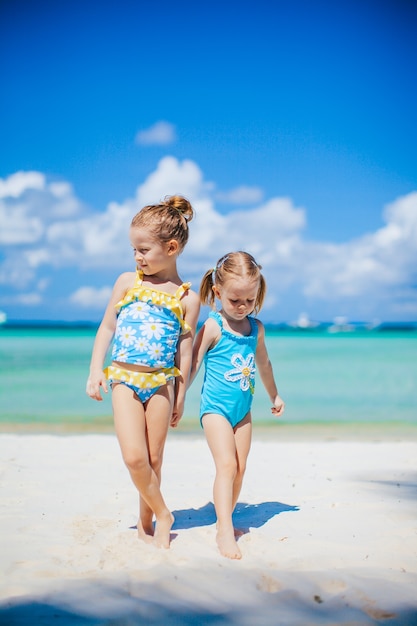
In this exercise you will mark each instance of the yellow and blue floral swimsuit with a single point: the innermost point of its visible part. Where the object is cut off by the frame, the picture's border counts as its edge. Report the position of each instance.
(149, 324)
(229, 380)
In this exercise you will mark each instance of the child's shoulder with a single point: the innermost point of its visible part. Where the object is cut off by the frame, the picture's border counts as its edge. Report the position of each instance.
(259, 324)
(215, 318)
(191, 295)
(211, 331)
(213, 323)
(126, 279)
(191, 305)
(124, 282)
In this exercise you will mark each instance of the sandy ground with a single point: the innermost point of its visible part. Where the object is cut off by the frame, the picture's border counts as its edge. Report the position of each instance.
(330, 535)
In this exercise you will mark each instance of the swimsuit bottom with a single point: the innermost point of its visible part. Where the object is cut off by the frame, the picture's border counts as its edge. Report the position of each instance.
(144, 384)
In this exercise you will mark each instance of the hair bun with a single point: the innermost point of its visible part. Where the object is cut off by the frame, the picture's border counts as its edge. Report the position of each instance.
(180, 204)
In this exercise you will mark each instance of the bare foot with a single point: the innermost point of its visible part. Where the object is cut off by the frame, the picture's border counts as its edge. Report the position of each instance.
(227, 545)
(145, 531)
(163, 527)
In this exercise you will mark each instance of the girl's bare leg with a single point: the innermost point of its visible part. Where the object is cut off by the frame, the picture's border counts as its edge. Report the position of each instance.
(243, 439)
(221, 440)
(145, 521)
(156, 444)
(131, 424)
(160, 404)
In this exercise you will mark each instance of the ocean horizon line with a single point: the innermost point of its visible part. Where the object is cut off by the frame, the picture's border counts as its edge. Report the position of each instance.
(283, 326)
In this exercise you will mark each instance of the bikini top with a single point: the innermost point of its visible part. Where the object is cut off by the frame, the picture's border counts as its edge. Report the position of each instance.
(149, 323)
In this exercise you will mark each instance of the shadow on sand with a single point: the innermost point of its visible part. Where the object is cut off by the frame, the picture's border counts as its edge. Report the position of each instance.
(118, 608)
(245, 515)
(136, 603)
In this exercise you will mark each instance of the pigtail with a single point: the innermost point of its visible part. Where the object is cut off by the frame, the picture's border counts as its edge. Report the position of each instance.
(261, 294)
(206, 288)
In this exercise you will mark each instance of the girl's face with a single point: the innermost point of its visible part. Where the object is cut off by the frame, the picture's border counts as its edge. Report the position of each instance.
(151, 255)
(237, 296)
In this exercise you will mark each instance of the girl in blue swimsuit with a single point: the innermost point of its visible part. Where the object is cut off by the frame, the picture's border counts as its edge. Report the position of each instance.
(151, 319)
(231, 344)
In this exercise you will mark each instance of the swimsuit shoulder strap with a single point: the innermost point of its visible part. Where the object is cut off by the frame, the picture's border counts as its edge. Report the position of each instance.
(139, 278)
(216, 316)
(253, 325)
(181, 290)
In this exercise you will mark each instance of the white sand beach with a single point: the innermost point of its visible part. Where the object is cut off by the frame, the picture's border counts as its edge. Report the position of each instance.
(331, 535)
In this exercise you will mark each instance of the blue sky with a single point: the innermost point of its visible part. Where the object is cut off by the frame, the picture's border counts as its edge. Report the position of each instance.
(291, 127)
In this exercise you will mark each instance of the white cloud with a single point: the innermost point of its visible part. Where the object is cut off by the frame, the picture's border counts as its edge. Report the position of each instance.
(270, 223)
(33, 298)
(60, 189)
(29, 299)
(173, 177)
(28, 203)
(16, 184)
(261, 231)
(241, 195)
(377, 265)
(91, 297)
(37, 257)
(159, 134)
(45, 228)
(18, 226)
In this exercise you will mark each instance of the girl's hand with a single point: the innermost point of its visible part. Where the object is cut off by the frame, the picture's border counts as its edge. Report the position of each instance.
(177, 412)
(279, 406)
(94, 383)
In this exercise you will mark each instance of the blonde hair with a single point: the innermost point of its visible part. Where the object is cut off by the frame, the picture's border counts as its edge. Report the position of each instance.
(167, 220)
(240, 264)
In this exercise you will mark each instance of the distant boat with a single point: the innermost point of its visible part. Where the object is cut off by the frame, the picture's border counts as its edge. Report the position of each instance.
(341, 325)
(303, 321)
(3, 317)
(376, 323)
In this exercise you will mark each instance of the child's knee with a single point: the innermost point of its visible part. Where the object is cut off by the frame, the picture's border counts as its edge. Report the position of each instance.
(228, 466)
(135, 461)
(155, 460)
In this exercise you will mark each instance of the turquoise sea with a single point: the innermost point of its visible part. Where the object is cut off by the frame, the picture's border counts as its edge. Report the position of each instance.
(357, 377)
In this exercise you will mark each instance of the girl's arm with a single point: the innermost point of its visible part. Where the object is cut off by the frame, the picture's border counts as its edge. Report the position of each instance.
(266, 373)
(207, 337)
(104, 336)
(191, 307)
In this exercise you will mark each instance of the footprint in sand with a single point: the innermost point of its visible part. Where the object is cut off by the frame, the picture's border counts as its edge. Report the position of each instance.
(269, 584)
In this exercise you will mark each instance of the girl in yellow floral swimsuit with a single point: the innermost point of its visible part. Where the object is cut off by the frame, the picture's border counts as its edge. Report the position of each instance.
(231, 344)
(151, 319)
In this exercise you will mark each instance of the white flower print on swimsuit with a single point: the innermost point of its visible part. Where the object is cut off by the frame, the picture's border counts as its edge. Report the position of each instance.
(244, 371)
(149, 324)
(152, 328)
(156, 352)
(142, 344)
(126, 335)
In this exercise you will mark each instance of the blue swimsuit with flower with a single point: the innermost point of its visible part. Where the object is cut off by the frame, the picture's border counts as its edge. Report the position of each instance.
(229, 380)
